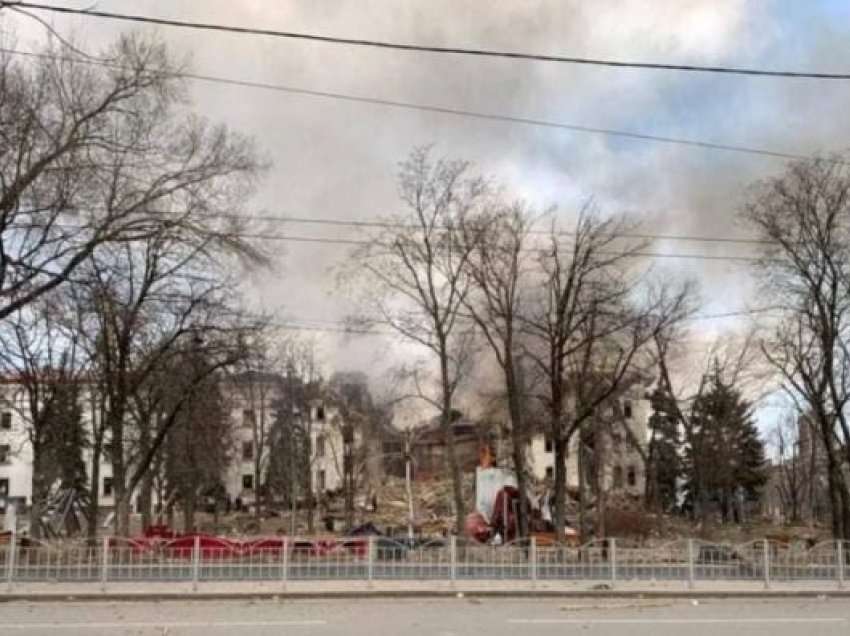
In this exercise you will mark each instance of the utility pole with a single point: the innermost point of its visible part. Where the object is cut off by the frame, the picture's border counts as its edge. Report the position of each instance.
(408, 458)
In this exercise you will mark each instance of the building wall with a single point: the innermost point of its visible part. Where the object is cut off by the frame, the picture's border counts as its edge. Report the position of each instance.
(252, 401)
(620, 459)
(541, 455)
(16, 463)
(16, 471)
(328, 444)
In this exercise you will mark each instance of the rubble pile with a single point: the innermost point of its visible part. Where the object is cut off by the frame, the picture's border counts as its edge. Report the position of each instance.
(433, 506)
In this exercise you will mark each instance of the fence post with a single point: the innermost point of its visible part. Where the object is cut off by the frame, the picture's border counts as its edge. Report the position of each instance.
(691, 573)
(840, 554)
(766, 549)
(284, 563)
(453, 559)
(10, 559)
(533, 561)
(613, 544)
(104, 564)
(196, 562)
(370, 568)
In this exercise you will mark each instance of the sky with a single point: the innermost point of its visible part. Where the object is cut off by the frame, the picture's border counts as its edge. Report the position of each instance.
(338, 159)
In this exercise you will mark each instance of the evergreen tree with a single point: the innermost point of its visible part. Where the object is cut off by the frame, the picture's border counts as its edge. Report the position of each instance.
(664, 456)
(199, 447)
(724, 458)
(288, 461)
(64, 436)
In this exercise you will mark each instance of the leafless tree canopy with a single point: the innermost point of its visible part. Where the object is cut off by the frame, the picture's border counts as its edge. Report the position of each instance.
(95, 156)
(805, 215)
(590, 328)
(415, 278)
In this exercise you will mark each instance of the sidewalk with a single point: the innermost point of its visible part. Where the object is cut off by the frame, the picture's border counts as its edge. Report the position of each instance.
(399, 589)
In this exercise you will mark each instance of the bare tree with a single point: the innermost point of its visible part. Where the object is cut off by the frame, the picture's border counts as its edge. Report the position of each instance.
(144, 304)
(199, 443)
(96, 155)
(498, 267)
(415, 278)
(794, 479)
(358, 414)
(588, 332)
(804, 216)
(293, 454)
(42, 356)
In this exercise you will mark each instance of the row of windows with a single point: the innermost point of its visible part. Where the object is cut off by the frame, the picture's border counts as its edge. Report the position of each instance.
(627, 414)
(107, 484)
(249, 416)
(248, 449)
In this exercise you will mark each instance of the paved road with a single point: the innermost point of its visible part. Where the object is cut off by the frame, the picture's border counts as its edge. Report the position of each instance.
(448, 617)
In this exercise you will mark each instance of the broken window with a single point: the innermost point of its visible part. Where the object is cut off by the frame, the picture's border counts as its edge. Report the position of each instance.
(5, 453)
(247, 482)
(320, 413)
(248, 451)
(320, 480)
(632, 476)
(248, 417)
(320, 446)
(547, 443)
(550, 472)
(6, 421)
(618, 476)
(627, 409)
(107, 486)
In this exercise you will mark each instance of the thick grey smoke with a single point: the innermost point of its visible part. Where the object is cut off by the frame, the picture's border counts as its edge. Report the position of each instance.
(337, 159)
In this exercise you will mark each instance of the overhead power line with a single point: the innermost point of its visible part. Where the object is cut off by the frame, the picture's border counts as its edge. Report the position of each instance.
(627, 254)
(381, 44)
(399, 225)
(631, 253)
(455, 112)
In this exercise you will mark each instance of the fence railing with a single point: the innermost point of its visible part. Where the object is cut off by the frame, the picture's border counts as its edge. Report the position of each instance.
(199, 559)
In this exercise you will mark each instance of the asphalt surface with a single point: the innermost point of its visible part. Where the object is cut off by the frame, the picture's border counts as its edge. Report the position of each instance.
(447, 617)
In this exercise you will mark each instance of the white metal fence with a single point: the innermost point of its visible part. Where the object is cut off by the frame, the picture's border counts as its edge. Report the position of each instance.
(200, 559)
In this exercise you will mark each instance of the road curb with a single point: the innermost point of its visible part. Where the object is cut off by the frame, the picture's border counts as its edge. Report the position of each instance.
(53, 597)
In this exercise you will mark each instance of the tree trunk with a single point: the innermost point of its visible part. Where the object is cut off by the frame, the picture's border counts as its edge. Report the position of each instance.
(559, 514)
(121, 496)
(518, 439)
(839, 504)
(94, 496)
(308, 487)
(122, 513)
(348, 486)
(146, 500)
(581, 485)
(449, 440)
(189, 512)
(258, 506)
(599, 481)
(40, 491)
(146, 489)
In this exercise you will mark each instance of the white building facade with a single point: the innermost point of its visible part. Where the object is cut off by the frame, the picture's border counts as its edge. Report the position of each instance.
(16, 455)
(622, 465)
(253, 420)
